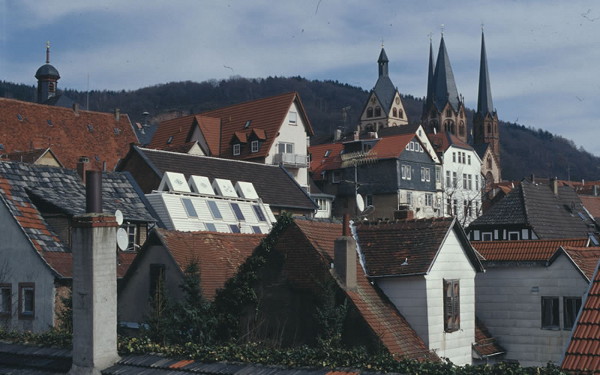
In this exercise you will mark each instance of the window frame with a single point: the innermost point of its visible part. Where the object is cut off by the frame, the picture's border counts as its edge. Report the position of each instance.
(570, 311)
(236, 149)
(5, 311)
(237, 211)
(451, 290)
(23, 289)
(550, 305)
(293, 118)
(214, 210)
(254, 146)
(189, 208)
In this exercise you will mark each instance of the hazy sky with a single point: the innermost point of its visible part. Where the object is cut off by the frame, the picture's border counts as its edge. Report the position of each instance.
(544, 56)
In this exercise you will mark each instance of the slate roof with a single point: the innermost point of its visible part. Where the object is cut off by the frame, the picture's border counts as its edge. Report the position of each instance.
(272, 183)
(377, 311)
(444, 85)
(407, 247)
(24, 187)
(384, 88)
(536, 206)
(582, 354)
(219, 254)
(27, 126)
(524, 250)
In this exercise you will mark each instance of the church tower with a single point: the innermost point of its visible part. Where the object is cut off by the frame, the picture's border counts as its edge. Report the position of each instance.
(444, 108)
(384, 107)
(485, 120)
(47, 77)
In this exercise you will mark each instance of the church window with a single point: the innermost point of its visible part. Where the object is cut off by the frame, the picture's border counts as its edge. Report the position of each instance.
(369, 112)
(377, 111)
(400, 113)
(461, 129)
(433, 113)
(51, 87)
(489, 162)
(448, 112)
(395, 112)
(489, 127)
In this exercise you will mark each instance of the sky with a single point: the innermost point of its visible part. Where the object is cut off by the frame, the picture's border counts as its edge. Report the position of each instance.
(543, 56)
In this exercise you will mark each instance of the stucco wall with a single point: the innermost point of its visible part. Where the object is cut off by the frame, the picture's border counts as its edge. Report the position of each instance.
(509, 304)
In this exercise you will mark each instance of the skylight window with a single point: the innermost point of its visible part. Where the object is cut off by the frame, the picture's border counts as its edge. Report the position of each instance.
(237, 211)
(189, 207)
(170, 140)
(90, 128)
(214, 210)
(19, 117)
(210, 227)
(256, 229)
(247, 124)
(117, 131)
(259, 213)
(327, 153)
(50, 123)
(234, 228)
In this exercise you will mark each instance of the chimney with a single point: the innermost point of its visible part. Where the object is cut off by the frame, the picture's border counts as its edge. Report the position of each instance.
(344, 257)
(554, 185)
(94, 288)
(532, 178)
(82, 166)
(404, 213)
(117, 114)
(595, 190)
(76, 108)
(337, 135)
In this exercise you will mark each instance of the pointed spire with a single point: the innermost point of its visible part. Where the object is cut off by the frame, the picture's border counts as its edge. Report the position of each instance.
(383, 63)
(430, 79)
(444, 86)
(484, 98)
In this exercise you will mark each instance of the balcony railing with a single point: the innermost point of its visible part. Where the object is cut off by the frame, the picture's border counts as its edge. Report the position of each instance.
(291, 160)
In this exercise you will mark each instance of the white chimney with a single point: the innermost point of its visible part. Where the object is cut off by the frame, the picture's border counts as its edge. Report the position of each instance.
(344, 257)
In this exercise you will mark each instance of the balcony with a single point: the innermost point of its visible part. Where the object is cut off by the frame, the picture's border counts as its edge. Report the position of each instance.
(291, 160)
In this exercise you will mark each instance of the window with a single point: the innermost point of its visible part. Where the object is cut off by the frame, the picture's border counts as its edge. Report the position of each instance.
(336, 177)
(6, 295)
(429, 200)
(327, 153)
(293, 118)
(322, 203)
(469, 159)
(247, 124)
(234, 228)
(368, 200)
(425, 174)
(168, 140)
(451, 305)
(254, 146)
(454, 207)
(454, 157)
(448, 113)
(550, 313)
(214, 210)
(487, 236)
(400, 113)
(438, 174)
(377, 111)
(409, 198)
(571, 306)
(256, 229)
(132, 236)
(395, 112)
(449, 206)
(448, 180)
(237, 211)
(489, 162)
(476, 182)
(259, 213)
(369, 112)
(189, 207)
(469, 182)
(286, 148)
(236, 149)
(406, 172)
(514, 236)
(157, 279)
(26, 300)
(454, 179)
(210, 227)
(466, 208)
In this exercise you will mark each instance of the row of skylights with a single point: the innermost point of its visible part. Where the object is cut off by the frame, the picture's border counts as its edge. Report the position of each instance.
(192, 207)
(175, 182)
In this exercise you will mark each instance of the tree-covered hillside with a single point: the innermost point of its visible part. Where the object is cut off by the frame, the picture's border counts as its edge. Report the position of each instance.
(329, 104)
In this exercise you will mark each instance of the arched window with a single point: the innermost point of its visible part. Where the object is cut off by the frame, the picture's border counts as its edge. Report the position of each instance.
(377, 111)
(489, 162)
(461, 129)
(448, 112)
(400, 113)
(395, 111)
(489, 126)
(369, 112)
(449, 126)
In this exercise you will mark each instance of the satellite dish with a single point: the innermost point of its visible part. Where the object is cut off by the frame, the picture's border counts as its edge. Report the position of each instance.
(119, 217)
(360, 203)
(122, 239)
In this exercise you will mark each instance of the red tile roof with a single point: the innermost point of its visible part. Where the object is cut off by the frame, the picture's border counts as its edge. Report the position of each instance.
(392, 146)
(586, 258)
(583, 351)
(485, 344)
(99, 136)
(405, 247)
(315, 240)
(176, 134)
(218, 254)
(525, 250)
(591, 203)
(319, 162)
(442, 141)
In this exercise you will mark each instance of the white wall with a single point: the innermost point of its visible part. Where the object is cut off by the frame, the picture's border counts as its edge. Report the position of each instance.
(510, 307)
(420, 300)
(20, 263)
(297, 135)
(461, 192)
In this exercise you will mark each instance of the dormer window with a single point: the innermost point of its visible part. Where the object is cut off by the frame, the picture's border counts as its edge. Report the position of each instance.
(236, 149)
(293, 118)
(254, 146)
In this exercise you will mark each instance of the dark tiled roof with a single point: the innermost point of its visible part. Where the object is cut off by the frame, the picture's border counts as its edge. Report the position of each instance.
(535, 205)
(272, 183)
(385, 91)
(25, 126)
(395, 130)
(219, 254)
(24, 186)
(525, 250)
(404, 247)
(377, 311)
(583, 351)
(444, 85)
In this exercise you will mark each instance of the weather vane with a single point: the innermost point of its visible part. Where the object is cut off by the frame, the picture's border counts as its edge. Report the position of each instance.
(48, 52)
(430, 35)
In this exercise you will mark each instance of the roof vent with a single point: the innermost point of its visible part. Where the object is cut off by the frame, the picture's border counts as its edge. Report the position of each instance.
(201, 185)
(50, 123)
(90, 128)
(247, 124)
(173, 181)
(19, 117)
(224, 188)
(246, 190)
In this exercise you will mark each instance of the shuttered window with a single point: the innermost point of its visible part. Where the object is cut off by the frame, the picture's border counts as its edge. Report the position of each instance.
(451, 305)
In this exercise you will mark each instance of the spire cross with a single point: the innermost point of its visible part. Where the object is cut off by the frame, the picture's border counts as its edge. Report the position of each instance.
(442, 27)
(48, 52)
(381, 42)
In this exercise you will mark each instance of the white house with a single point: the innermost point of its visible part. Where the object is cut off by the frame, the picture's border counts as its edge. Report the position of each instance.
(531, 293)
(461, 177)
(427, 269)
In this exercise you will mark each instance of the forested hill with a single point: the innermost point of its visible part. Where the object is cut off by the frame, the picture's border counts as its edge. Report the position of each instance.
(329, 104)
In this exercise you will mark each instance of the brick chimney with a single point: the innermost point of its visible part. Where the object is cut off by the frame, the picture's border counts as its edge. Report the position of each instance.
(94, 286)
(83, 164)
(344, 256)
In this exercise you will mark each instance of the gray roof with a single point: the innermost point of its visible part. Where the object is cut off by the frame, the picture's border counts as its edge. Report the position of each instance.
(484, 99)
(444, 85)
(430, 79)
(273, 184)
(536, 206)
(384, 88)
(47, 70)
